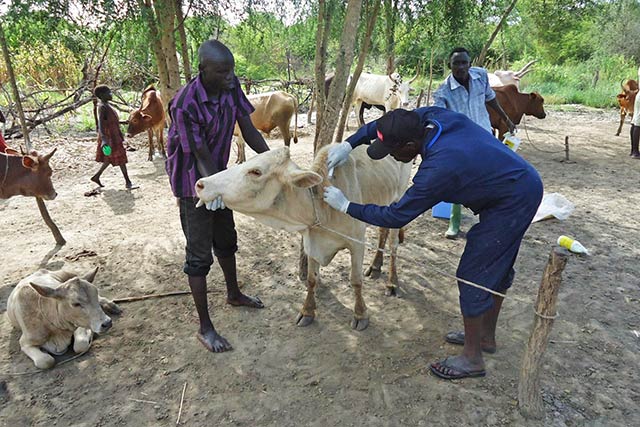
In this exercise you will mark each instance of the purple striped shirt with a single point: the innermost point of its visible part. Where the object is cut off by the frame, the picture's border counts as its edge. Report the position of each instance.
(199, 120)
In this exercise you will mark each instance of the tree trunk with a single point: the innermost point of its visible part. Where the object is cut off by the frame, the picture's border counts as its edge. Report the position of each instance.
(184, 48)
(166, 16)
(483, 54)
(154, 36)
(364, 50)
(322, 38)
(14, 89)
(391, 14)
(344, 60)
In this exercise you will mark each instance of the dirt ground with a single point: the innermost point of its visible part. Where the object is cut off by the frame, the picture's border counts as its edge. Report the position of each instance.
(327, 374)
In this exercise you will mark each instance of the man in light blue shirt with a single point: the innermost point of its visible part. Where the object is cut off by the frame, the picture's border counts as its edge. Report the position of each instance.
(466, 90)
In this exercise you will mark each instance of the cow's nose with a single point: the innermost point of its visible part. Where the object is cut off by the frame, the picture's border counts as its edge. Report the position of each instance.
(199, 185)
(106, 324)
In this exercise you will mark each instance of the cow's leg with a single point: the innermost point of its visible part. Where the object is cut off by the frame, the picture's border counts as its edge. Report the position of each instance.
(286, 135)
(360, 111)
(376, 264)
(82, 340)
(308, 312)
(401, 235)
(392, 284)
(360, 316)
(150, 133)
(623, 113)
(41, 359)
(241, 155)
(160, 142)
(57, 344)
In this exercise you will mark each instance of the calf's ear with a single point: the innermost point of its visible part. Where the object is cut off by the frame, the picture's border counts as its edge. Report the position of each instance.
(304, 179)
(47, 292)
(30, 162)
(90, 275)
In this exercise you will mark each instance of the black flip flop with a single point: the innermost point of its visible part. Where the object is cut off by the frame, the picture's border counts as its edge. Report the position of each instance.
(458, 373)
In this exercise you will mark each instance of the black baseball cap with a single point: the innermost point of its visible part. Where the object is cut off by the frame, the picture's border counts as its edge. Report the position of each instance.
(395, 129)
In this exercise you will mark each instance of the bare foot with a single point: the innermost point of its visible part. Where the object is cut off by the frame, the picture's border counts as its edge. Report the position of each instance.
(214, 342)
(246, 301)
(96, 180)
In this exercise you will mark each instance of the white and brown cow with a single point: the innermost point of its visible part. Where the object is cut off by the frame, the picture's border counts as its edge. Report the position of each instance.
(272, 110)
(52, 307)
(271, 188)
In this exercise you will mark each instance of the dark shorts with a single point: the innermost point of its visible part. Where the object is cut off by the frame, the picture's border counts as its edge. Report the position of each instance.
(207, 233)
(493, 244)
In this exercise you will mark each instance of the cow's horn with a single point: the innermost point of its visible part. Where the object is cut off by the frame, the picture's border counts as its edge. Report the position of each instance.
(524, 70)
(48, 156)
(413, 79)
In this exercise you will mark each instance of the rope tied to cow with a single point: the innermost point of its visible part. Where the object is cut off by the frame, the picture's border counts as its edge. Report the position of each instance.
(318, 224)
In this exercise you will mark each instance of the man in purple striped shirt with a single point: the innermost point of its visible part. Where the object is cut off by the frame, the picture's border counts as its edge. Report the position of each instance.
(203, 115)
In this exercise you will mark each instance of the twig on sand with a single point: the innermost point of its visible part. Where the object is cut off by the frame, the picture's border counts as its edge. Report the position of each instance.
(150, 296)
(143, 401)
(181, 400)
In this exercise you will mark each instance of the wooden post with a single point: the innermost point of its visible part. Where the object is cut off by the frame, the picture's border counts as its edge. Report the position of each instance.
(529, 397)
(47, 219)
(566, 148)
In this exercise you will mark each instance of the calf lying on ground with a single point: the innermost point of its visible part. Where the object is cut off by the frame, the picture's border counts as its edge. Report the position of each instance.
(51, 307)
(271, 188)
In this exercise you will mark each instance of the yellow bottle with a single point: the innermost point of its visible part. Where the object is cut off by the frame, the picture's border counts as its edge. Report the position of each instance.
(572, 244)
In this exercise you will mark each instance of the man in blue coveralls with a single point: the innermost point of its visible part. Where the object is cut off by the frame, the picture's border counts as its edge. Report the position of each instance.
(461, 163)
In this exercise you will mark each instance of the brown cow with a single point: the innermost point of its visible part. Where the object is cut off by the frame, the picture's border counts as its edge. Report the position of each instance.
(626, 99)
(150, 117)
(516, 105)
(28, 175)
(273, 109)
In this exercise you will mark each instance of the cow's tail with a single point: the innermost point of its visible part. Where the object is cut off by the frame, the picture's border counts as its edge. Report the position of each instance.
(295, 120)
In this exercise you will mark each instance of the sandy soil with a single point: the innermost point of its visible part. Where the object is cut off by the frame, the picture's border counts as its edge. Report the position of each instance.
(328, 374)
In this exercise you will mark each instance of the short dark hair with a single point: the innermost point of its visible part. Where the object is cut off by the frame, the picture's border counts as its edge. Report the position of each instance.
(459, 50)
(101, 90)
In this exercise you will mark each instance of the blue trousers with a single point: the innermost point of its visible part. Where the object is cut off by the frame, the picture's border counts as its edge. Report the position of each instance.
(493, 243)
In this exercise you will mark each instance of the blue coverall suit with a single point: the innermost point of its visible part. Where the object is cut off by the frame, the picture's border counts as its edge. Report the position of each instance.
(463, 163)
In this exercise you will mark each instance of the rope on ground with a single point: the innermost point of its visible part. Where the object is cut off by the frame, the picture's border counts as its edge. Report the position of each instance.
(524, 125)
(437, 270)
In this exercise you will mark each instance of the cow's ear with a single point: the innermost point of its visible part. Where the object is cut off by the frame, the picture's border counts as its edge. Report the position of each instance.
(90, 275)
(145, 116)
(47, 291)
(304, 179)
(30, 162)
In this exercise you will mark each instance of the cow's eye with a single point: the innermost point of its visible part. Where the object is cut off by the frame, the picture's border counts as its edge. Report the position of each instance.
(76, 304)
(255, 173)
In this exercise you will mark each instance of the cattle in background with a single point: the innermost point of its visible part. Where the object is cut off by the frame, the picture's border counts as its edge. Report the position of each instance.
(515, 104)
(506, 77)
(52, 307)
(387, 91)
(272, 109)
(626, 100)
(150, 117)
(271, 188)
(26, 175)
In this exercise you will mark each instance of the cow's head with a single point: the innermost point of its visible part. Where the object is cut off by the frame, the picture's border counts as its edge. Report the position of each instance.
(257, 185)
(398, 92)
(78, 302)
(536, 105)
(38, 182)
(138, 122)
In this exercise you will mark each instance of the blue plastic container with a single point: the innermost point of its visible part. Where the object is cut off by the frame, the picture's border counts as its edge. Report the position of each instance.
(441, 210)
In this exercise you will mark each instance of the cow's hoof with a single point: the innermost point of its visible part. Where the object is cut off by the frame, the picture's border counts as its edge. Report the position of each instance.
(372, 272)
(304, 320)
(391, 291)
(45, 361)
(359, 324)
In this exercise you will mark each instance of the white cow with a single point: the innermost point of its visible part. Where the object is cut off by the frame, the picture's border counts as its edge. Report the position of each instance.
(51, 307)
(507, 77)
(271, 188)
(385, 90)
